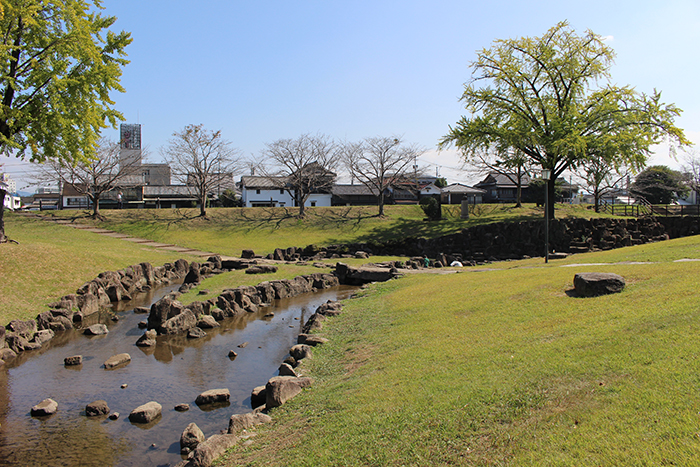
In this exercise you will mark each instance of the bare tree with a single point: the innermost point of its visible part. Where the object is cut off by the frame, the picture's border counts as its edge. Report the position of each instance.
(202, 159)
(303, 166)
(94, 178)
(378, 162)
(691, 172)
(601, 178)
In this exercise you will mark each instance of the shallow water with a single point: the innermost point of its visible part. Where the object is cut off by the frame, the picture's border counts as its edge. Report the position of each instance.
(175, 372)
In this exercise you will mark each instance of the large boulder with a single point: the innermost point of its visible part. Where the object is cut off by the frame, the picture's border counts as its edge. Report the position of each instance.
(591, 284)
(179, 324)
(45, 407)
(358, 276)
(207, 322)
(245, 421)
(43, 336)
(257, 396)
(163, 310)
(212, 396)
(25, 329)
(16, 342)
(208, 451)
(146, 413)
(300, 351)
(191, 438)
(280, 389)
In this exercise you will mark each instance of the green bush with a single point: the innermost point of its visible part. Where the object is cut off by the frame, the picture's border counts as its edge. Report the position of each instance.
(432, 208)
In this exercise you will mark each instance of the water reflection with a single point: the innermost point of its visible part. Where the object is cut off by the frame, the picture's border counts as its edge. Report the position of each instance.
(175, 371)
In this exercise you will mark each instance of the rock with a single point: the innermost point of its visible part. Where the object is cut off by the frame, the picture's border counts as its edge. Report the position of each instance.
(311, 340)
(207, 322)
(247, 254)
(210, 450)
(314, 323)
(196, 333)
(191, 438)
(74, 360)
(193, 275)
(145, 413)
(182, 407)
(96, 330)
(358, 276)
(114, 416)
(330, 308)
(286, 369)
(141, 310)
(244, 421)
(26, 329)
(261, 269)
(232, 354)
(142, 324)
(45, 407)
(179, 324)
(117, 360)
(7, 354)
(243, 345)
(16, 342)
(591, 284)
(280, 389)
(124, 386)
(212, 396)
(257, 397)
(162, 311)
(96, 408)
(43, 336)
(148, 339)
(300, 351)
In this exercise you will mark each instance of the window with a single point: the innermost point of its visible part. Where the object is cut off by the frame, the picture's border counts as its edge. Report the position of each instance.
(313, 203)
(282, 192)
(257, 192)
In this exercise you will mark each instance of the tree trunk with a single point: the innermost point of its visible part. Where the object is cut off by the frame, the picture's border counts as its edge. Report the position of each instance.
(381, 204)
(95, 206)
(3, 239)
(203, 206)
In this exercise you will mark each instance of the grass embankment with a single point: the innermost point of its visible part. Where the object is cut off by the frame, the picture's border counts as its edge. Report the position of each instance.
(53, 260)
(229, 230)
(503, 367)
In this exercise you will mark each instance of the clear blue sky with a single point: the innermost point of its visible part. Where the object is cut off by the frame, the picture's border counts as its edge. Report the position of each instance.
(260, 71)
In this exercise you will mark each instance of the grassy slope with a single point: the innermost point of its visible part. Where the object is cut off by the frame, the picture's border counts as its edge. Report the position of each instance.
(502, 367)
(229, 230)
(52, 260)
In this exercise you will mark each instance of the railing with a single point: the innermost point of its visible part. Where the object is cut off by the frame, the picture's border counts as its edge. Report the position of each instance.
(642, 207)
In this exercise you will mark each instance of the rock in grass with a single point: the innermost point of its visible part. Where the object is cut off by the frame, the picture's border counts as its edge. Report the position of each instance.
(591, 284)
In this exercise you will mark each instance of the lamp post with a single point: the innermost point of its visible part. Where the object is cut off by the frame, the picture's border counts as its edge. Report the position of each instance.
(546, 175)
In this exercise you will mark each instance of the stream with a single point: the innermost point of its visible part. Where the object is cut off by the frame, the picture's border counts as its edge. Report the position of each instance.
(176, 371)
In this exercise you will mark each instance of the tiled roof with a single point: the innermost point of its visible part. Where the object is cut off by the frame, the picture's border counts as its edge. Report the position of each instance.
(254, 181)
(459, 188)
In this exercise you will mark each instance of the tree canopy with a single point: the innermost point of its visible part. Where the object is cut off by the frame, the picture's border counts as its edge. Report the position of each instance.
(58, 64)
(539, 97)
(659, 184)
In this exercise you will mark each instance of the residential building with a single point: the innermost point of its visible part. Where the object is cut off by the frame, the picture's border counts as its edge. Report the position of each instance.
(456, 192)
(500, 188)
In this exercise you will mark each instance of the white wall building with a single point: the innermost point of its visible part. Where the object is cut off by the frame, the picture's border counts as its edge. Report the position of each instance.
(270, 192)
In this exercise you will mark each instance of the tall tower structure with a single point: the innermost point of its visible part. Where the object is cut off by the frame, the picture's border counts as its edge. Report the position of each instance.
(130, 144)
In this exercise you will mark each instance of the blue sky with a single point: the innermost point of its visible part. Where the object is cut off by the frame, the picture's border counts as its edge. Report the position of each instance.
(261, 71)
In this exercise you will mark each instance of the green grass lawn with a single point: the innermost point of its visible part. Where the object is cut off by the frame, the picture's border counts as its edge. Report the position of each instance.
(229, 230)
(51, 261)
(495, 365)
(503, 367)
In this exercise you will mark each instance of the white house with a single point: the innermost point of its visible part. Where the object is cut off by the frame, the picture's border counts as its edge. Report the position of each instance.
(257, 191)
